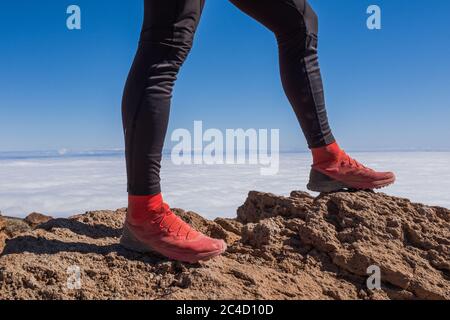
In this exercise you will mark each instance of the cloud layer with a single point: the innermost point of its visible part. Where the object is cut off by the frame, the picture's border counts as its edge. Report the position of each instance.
(63, 186)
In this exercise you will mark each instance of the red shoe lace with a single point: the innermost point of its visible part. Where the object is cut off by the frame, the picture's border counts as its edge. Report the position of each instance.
(351, 162)
(170, 222)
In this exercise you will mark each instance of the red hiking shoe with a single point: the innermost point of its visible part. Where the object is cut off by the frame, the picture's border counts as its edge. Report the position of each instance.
(334, 170)
(151, 226)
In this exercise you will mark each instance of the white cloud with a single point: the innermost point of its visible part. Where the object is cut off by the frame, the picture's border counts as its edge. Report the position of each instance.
(70, 185)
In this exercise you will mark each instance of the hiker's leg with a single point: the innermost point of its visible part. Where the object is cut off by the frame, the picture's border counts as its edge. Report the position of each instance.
(166, 38)
(150, 225)
(295, 26)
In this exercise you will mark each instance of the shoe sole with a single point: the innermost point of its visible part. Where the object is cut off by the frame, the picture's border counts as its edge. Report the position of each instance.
(320, 182)
(129, 242)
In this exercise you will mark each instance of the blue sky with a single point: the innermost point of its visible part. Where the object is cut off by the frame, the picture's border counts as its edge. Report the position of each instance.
(384, 89)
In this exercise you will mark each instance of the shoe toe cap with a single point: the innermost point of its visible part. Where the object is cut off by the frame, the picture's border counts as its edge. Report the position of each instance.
(389, 175)
(218, 245)
(223, 245)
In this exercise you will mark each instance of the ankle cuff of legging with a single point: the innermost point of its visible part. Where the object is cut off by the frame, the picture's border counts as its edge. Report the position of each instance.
(323, 142)
(144, 191)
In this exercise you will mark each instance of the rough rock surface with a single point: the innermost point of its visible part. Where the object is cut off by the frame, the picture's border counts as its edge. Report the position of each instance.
(10, 227)
(35, 218)
(296, 247)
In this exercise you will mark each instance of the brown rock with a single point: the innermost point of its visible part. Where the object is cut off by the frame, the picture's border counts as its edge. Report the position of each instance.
(296, 247)
(261, 234)
(2, 241)
(10, 227)
(2, 223)
(15, 226)
(34, 219)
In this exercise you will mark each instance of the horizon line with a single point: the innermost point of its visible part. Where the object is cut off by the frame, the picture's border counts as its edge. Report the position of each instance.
(66, 152)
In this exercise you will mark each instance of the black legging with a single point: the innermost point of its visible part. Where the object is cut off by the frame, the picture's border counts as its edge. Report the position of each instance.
(166, 39)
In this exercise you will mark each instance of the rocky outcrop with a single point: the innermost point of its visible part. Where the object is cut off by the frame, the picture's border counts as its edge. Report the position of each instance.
(11, 227)
(2, 234)
(34, 219)
(296, 247)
